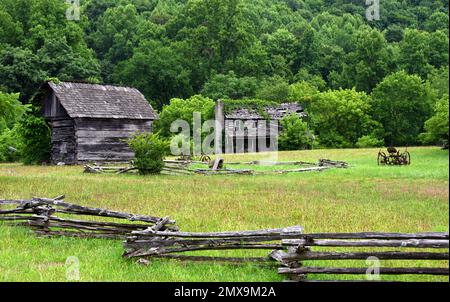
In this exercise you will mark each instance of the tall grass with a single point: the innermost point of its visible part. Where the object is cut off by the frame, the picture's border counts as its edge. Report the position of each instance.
(365, 197)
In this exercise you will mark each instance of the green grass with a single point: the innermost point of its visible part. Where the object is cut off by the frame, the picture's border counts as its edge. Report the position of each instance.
(365, 197)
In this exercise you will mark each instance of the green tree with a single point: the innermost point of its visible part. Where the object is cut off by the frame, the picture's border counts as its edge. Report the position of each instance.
(317, 81)
(415, 53)
(302, 92)
(284, 44)
(437, 21)
(251, 62)
(437, 126)
(115, 36)
(161, 73)
(369, 63)
(394, 33)
(332, 41)
(45, 44)
(11, 110)
(273, 89)
(438, 49)
(20, 71)
(10, 31)
(36, 137)
(196, 44)
(180, 109)
(369, 141)
(295, 134)
(216, 32)
(59, 60)
(402, 104)
(438, 79)
(341, 117)
(10, 145)
(228, 86)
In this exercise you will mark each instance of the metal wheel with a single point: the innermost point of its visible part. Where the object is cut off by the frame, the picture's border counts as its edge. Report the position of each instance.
(205, 159)
(406, 158)
(381, 158)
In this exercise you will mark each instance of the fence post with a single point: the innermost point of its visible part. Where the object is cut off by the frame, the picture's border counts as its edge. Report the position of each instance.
(287, 259)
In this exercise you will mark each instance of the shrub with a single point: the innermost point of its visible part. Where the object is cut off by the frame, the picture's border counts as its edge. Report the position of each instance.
(332, 139)
(36, 138)
(150, 151)
(11, 110)
(369, 141)
(295, 135)
(437, 126)
(10, 145)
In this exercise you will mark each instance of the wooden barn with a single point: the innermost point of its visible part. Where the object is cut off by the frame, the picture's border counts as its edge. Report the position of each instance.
(90, 123)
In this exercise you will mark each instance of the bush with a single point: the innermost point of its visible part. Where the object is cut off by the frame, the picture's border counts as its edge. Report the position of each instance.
(295, 134)
(369, 141)
(332, 139)
(36, 137)
(150, 151)
(437, 126)
(10, 145)
(11, 110)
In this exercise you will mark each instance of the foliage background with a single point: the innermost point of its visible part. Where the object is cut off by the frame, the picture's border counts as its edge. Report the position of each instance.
(273, 50)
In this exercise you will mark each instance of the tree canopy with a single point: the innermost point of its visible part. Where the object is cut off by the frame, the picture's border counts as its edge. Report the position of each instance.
(317, 52)
(178, 48)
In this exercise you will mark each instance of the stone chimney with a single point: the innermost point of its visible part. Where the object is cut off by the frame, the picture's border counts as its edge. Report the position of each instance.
(220, 125)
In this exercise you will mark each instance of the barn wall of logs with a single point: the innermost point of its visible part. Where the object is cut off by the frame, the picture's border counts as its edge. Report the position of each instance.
(64, 143)
(76, 141)
(104, 140)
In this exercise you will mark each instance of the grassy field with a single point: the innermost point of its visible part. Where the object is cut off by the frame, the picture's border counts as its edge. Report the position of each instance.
(365, 197)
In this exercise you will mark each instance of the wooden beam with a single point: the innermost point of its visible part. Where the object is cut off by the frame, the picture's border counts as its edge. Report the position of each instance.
(363, 271)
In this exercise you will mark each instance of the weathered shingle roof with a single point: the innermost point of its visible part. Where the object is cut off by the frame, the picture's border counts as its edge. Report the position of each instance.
(102, 101)
(274, 113)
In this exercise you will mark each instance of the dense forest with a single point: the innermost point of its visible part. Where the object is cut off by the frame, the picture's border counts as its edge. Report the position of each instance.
(363, 82)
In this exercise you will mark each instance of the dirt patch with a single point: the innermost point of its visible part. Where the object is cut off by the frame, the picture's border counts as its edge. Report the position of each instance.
(438, 192)
(47, 265)
(424, 190)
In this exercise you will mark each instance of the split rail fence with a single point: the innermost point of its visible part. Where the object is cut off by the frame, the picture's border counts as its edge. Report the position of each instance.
(291, 250)
(375, 247)
(298, 256)
(174, 245)
(177, 167)
(40, 215)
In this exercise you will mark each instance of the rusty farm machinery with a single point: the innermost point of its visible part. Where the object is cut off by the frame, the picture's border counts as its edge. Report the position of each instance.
(394, 157)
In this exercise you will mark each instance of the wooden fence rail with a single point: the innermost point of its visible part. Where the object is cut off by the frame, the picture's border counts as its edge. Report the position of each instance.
(290, 248)
(172, 245)
(407, 247)
(40, 215)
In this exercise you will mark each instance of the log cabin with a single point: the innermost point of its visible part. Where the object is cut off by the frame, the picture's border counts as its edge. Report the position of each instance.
(91, 123)
(244, 126)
